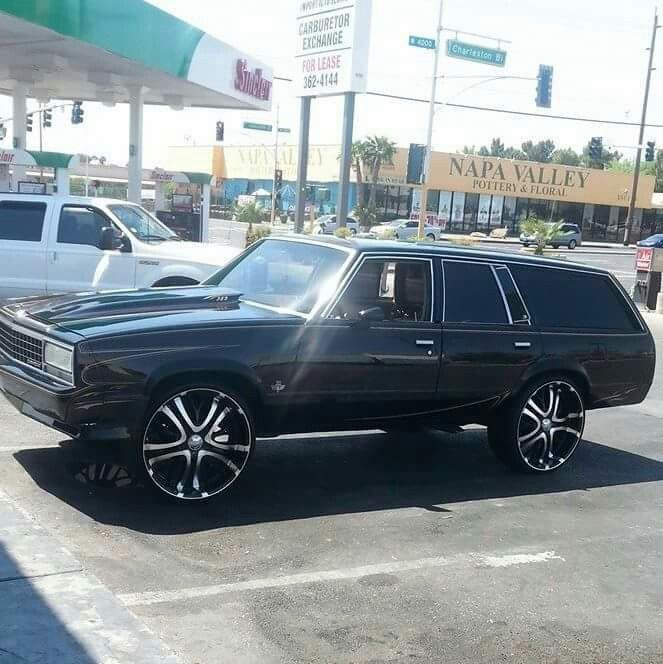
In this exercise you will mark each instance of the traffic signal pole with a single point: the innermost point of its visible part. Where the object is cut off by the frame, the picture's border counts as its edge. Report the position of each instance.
(431, 120)
(276, 162)
(643, 119)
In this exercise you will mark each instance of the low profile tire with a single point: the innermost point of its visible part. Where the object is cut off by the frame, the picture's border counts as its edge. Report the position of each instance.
(170, 282)
(573, 244)
(196, 442)
(430, 237)
(540, 429)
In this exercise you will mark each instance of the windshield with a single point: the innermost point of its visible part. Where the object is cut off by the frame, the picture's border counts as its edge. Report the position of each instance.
(288, 275)
(141, 224)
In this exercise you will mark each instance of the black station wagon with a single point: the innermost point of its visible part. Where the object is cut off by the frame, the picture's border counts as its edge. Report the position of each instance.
(301, 335)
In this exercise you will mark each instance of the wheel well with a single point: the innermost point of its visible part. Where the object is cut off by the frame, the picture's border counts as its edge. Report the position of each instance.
(575, 375)
(175, 281)
(233, 381)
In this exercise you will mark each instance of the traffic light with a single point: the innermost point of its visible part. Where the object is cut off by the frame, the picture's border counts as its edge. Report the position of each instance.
(596, 148)
(77, 113)
(47, 117)
(3, 131)
(416, 159)
(544, 86)
(649, 151)
(220, 130)
(278, 179)
(28, 122)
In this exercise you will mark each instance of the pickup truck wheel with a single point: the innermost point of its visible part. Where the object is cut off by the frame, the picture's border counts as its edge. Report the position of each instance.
(169, 282)
(196, 442)
(540, 429)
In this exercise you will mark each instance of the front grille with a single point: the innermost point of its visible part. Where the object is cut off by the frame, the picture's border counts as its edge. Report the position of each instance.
(21, 347)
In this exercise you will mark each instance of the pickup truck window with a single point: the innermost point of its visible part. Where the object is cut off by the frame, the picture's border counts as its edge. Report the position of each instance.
(80, 225)
(141, 224)
(22, 220)
(288, 275)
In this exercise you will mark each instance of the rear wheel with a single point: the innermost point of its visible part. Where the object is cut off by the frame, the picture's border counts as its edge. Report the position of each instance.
(573, 244)
(430, 237)
(196, 442)
(353, 231)
(540, 429)
(555, 246)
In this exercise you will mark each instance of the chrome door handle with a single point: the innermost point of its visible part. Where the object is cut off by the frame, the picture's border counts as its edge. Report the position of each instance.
(522, 344)
(424, 342)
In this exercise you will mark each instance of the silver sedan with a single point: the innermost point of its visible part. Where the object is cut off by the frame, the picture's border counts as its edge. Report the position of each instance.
(405, 229)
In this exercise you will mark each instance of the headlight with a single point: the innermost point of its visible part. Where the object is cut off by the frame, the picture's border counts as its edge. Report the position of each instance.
(59, 361)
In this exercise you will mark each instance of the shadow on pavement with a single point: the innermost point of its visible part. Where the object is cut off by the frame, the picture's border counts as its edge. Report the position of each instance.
(30, 631)
(298, 478)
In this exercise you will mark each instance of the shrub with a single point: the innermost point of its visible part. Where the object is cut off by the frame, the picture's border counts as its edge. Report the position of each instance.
(343, 232)
(257, 234)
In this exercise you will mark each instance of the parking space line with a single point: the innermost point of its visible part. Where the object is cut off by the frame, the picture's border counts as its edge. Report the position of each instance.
(463, 560)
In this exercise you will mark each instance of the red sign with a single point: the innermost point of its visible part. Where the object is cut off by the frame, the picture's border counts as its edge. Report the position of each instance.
(251, 82)
(6, 157)
(644, 258)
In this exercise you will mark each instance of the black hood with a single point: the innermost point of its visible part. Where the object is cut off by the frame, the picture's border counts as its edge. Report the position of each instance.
(64, 309)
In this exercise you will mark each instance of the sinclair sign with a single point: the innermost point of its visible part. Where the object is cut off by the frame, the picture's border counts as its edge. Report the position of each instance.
(252, 82)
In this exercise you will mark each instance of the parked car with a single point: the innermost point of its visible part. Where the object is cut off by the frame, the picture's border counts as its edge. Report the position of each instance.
(55, 244)
(568, 235)
(655, 241)
(305, 334)
(404, 229)
(326, 225)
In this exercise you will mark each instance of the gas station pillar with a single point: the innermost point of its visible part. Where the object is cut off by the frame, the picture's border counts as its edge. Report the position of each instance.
(136, 95)
(62, 181)
(19, 125)
(204, 212)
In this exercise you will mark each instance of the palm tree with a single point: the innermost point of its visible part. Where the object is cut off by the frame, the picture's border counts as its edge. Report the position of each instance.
(378, 150)
(358, 155)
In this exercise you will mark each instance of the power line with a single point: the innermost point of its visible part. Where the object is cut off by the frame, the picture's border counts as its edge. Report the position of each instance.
(492, 109)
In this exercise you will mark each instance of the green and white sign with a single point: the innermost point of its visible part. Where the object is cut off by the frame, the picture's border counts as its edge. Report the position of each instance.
(284, 130)
(475, 53)
(257, 126)
(422, 42)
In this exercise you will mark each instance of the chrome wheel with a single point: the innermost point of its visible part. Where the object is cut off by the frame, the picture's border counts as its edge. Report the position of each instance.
(550, 426)
(197, 443)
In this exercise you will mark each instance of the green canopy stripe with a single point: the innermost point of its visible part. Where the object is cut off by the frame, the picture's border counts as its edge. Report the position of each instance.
(133, 29)
(51, 159)
(198, 178)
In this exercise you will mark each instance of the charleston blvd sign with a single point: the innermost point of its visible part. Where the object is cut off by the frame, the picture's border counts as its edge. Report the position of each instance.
(252, 83)
(332, 46)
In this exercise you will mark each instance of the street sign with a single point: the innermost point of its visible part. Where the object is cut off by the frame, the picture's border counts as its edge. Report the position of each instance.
(284, 130)
(475, 53)
(422, 42)
(256, 126)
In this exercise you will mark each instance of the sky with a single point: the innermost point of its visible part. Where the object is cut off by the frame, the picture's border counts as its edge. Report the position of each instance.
(598, 49)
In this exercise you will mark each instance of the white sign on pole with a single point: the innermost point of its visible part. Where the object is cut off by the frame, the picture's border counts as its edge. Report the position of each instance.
(332, 46)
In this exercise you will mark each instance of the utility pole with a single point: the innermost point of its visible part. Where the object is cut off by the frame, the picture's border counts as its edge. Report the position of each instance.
(643, 119)
(276, 163)
(431, 120)
(41, 137)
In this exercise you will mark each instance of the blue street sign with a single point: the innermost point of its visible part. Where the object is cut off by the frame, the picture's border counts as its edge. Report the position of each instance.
(475, 53)
(422, 42)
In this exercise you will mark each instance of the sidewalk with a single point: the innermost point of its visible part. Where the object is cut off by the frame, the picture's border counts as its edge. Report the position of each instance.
(54, 612)
(586, 247)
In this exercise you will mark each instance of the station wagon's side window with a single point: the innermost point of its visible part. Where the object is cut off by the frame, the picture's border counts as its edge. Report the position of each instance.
(572, 299)
(80, 225)
(22, 220)
(472, 294)
(515, 302)
(401, 289)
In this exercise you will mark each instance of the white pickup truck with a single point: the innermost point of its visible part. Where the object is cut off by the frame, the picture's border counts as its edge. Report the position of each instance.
(53, 244)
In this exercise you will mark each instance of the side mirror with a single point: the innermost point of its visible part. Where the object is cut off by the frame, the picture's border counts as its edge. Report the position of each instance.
(372, 315)
(112, 239)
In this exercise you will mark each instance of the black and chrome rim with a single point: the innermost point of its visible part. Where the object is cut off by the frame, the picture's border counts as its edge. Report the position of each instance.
(197, 443)
(550, 426)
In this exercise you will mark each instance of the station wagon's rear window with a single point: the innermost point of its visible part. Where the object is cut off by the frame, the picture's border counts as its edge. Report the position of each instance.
(573, 299)
(21, 220)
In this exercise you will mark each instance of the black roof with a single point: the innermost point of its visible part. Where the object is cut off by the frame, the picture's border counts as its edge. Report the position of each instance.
(367, 245)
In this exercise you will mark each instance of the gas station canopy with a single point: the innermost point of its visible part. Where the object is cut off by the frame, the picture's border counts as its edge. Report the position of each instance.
(98, 50)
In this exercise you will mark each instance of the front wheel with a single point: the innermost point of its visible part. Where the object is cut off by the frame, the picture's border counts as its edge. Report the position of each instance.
(430, 237)
(196, 442)
(540, 429)
(573, 244)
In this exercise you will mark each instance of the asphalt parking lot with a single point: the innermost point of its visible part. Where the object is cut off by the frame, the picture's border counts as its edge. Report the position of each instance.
(371, 548)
